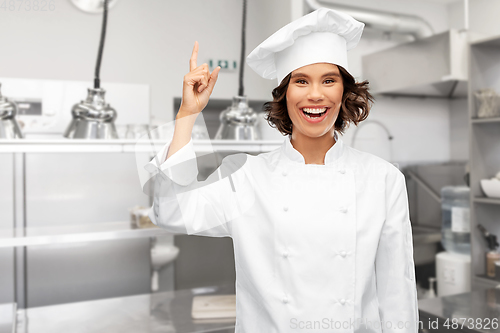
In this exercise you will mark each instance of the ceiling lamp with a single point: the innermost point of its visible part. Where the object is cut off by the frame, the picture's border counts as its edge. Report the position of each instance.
(239, 121)
(92, 6)
(93, 118)
(9, 127)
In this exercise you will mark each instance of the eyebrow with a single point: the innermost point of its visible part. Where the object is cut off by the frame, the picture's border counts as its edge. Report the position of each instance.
(305, 75)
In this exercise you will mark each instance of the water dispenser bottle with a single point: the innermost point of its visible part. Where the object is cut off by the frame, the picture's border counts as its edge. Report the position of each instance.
(456, 219)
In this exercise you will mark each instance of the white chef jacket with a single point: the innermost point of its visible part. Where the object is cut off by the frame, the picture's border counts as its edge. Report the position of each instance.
(318, 248)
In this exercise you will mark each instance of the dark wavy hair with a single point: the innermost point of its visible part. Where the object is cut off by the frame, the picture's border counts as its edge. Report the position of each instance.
(356, 104)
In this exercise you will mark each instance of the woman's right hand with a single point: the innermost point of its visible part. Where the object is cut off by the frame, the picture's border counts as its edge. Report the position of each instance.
(198, 86)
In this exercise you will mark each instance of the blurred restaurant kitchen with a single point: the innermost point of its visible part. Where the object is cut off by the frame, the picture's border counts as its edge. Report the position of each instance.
(77, 247)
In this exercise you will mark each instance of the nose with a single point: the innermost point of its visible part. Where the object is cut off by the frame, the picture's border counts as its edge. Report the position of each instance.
(315, 93)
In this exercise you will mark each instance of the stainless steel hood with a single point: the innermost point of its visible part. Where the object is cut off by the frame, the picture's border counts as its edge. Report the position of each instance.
(380, 20)
(434, 66)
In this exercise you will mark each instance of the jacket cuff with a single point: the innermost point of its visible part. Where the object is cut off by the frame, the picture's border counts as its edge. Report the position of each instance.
(181, 167)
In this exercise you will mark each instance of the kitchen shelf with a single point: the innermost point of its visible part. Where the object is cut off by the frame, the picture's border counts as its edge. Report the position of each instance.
(484, 155)
(74, 234)
(486, 280)
(486, 200)
(485, 120)
(491, 41)
(122, 230)
(442, 70)
(127, 146)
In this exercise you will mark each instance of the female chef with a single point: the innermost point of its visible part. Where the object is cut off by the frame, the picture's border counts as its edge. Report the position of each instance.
(321, 231)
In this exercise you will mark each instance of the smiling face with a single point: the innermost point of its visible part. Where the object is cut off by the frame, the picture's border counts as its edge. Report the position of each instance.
(314, 90)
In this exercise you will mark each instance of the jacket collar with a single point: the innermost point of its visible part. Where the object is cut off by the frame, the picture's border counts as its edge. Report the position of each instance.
(331, 155)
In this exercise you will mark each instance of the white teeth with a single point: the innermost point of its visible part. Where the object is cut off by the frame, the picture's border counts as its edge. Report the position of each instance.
(308, 116)
(310, 110)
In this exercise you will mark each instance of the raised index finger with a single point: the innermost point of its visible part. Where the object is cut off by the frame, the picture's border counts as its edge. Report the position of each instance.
(194, 57)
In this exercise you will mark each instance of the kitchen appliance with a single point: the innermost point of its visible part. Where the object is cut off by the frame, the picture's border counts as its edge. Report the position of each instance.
(432, 66)
(9, 127)
(453, 265)
(377, 20)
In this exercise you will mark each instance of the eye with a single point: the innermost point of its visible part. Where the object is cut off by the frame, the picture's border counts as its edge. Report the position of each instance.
(301, 81)
(329, 81)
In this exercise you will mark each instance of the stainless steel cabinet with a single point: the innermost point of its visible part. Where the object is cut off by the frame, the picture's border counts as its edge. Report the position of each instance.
(66, 216)
(72, 189)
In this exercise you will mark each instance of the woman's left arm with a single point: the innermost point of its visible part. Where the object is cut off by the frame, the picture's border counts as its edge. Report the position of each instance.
(394, 265)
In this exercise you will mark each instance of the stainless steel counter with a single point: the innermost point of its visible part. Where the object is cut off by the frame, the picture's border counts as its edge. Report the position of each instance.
(160, 312)
(477, 311)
